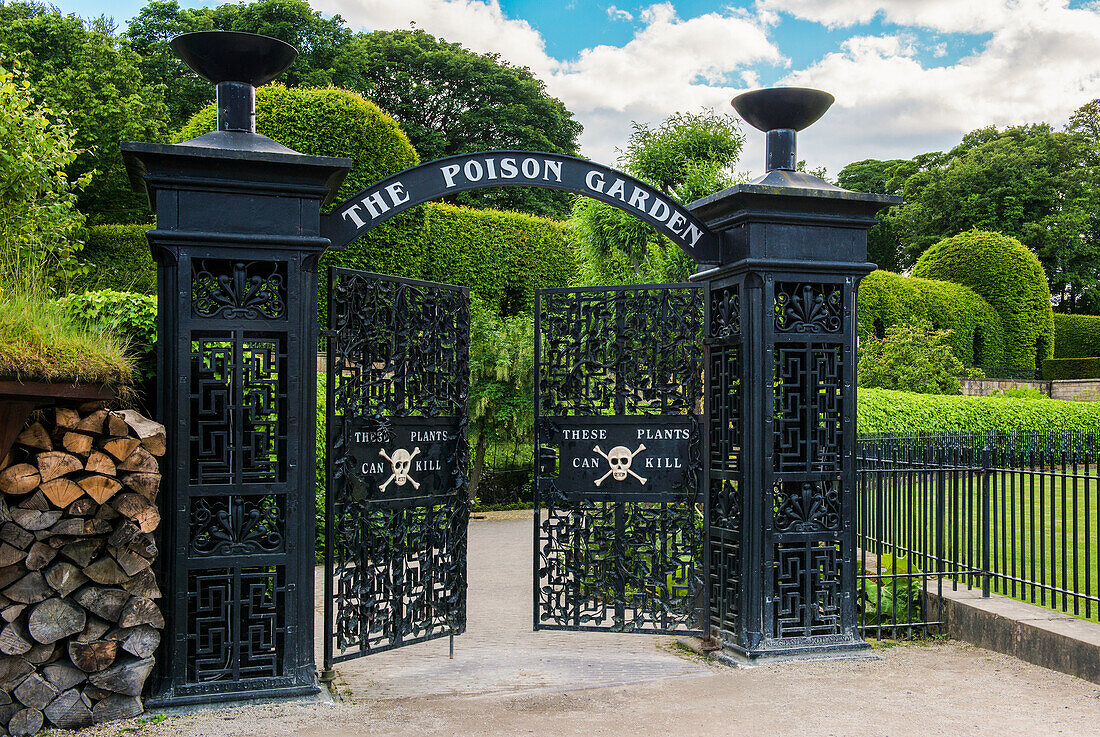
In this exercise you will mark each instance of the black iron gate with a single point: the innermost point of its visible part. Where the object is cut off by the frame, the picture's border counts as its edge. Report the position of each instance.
(397, 505)
(618, 509)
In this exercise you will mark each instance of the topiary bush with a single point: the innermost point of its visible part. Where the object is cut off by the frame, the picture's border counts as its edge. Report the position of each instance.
(1010, 278)
(887, 300)
(1071, 368)
(119, 260)
(881, 411)
(1076, 336)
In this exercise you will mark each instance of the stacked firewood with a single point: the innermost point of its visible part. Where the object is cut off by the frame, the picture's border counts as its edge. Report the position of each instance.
(79, 622)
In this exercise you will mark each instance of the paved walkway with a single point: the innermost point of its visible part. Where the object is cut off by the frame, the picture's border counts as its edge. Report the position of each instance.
(499, 652)
(506, 680)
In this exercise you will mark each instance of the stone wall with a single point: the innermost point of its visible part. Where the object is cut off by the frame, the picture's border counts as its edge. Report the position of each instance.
(985, 387)
(79, 621)
(1077, 390)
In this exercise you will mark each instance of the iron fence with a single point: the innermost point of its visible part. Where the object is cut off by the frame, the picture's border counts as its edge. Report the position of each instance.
(1015, 514)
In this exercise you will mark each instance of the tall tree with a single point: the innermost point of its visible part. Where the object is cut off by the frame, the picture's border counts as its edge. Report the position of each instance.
(884, 244)
(81, 71)
(317, 38)
(450, 100)
(687, 156)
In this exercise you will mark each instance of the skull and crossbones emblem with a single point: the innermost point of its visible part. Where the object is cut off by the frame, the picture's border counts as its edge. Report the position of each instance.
(400, 464)
(619, 459)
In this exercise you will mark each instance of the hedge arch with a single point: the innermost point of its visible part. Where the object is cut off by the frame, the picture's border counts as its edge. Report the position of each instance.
(887, 299)
(1010, 278)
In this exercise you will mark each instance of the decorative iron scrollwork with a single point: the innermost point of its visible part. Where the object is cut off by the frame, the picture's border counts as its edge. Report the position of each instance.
(807, 589)
(397, 567)
(626, 565)
(808, 308)
(250, 290)
(725, 314)
(237, 525)
(806, 506)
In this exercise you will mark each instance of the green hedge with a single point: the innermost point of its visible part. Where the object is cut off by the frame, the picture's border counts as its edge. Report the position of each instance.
(129, 314)
(118, 258)
(1010, 278)
(887, 300)
(884, 411)
(1076, 336)
(1071, 368)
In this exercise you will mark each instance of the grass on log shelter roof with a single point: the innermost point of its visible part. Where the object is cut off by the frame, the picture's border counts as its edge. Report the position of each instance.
(40, 341)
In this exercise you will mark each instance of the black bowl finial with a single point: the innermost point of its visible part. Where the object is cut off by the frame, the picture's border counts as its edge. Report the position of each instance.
(793, 108)
(231, 56)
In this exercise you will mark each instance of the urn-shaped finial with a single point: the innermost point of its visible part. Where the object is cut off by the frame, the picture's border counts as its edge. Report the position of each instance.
(781, 112)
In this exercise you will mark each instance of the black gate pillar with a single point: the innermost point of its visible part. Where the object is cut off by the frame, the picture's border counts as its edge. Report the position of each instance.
(236, 243)
(780, 398)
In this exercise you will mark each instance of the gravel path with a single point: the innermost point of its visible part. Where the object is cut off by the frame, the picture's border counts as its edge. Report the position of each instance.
(507, 680)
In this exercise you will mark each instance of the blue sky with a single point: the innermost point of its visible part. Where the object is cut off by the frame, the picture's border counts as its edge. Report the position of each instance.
(909, 75)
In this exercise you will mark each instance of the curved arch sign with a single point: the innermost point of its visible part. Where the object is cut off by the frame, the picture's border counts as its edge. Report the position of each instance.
(431, 181)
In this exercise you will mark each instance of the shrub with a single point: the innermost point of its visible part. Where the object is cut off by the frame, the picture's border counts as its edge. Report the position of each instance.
(1076, 336)
(884, 411)
(910, 359)
(119, 259)
(887, 299)
(325, 122)
(1071, 368)
(1010, 278)
(131, 315)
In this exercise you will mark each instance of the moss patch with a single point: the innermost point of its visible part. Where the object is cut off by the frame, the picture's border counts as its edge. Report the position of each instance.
(39, 341)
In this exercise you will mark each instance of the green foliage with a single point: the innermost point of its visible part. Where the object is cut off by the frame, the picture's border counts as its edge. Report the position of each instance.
(451, 100)
(1076, 336)
(1019, 392)
(325, 122)
(974, 329)
(82, 72)
(39, 222)
(884, 411)
(118, 258)
(501, 256)
(884, 244)
(1071, 368)
(317, 38)
(127, 314)
(1010, 278)
(889, 597)
(688, 156)
(502, 380)
(911, 359)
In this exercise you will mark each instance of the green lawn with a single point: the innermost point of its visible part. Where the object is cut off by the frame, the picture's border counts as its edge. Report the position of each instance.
(1043, 531)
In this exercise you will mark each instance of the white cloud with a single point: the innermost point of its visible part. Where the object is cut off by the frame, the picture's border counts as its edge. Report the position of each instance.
(894, 98)
(671, 64)
(614, 13)
(1038, 65)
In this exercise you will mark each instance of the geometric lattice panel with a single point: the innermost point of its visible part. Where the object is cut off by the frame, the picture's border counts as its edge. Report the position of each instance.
(807, 588)
(235, 625)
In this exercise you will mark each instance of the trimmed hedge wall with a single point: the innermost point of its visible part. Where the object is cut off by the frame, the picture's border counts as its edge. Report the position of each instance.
(887, 299)
(1071, 368)
(884, 411)
(1076, 336)
(119, 259)
(502, 256)
(1010, 278)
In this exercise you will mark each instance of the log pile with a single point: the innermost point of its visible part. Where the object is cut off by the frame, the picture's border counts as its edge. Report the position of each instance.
(79, 620)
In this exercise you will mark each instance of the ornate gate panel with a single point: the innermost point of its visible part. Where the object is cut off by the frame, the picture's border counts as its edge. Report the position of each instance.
(397, 504)
(618, 506)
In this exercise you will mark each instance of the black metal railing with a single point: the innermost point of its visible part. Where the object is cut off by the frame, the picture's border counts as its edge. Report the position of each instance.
(1015, 514)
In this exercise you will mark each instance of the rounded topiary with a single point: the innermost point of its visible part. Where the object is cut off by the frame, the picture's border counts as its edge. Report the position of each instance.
(325, 122)
(889, 300)
(1010, 278)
